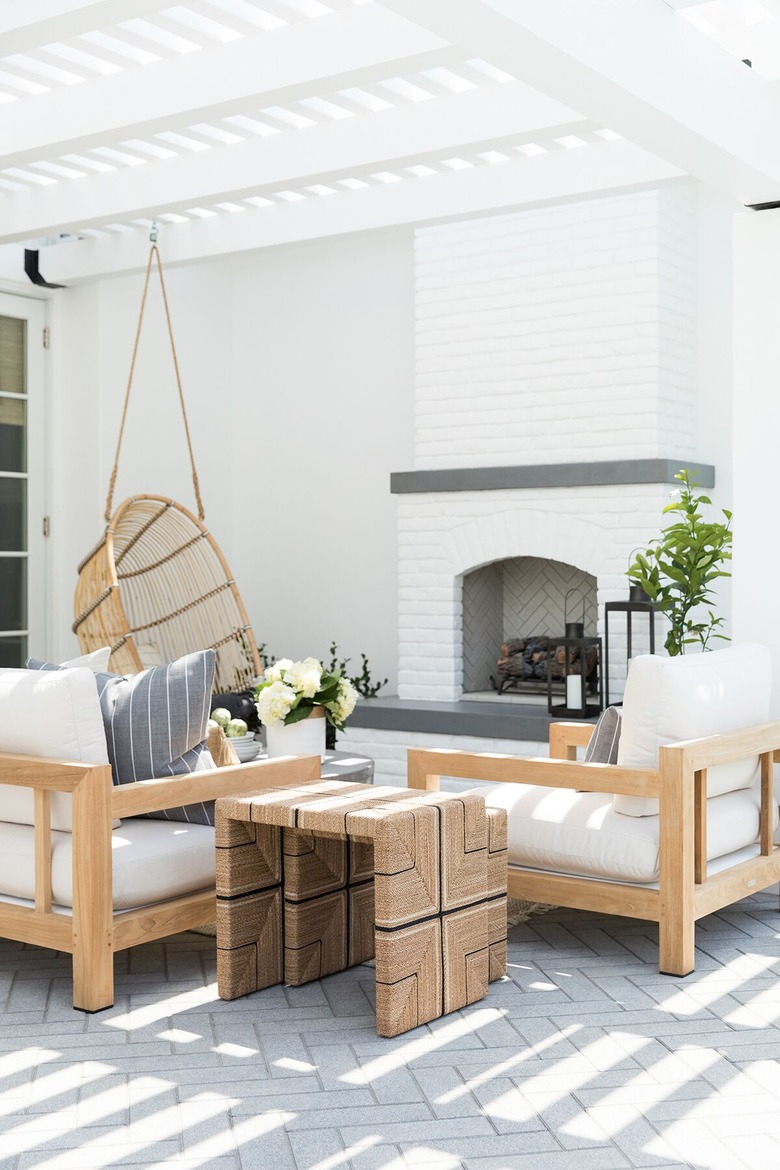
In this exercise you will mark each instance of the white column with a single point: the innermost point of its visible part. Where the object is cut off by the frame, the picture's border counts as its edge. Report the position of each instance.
(756, 568)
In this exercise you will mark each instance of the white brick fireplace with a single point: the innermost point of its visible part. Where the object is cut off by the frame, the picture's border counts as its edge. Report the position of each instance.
(557, 336)
(555, 390)
(442, 536)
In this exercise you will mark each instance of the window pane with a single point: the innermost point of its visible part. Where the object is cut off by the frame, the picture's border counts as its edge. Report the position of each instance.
(13, 651)
(12, 332)
(13, 515)
(13, 593)
(13, 455)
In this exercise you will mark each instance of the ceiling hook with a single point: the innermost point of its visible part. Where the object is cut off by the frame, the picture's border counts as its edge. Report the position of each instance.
(153, 232)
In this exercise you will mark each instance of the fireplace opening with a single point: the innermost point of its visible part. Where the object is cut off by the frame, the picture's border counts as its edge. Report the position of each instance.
(524, 665)
(519, 600)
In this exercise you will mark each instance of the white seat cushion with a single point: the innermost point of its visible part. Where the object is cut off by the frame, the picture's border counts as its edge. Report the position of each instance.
(672, 699)
(152, 861)
(54, 714)
(582, 833)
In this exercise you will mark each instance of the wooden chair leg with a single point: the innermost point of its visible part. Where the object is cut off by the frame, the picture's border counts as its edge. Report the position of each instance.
(677, 922)
(93, 977)
(93, 952)
(676, 945)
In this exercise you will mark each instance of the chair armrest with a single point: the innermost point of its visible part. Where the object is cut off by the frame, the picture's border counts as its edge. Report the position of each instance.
(727, 746)
(426, 766)
(130, 800)
(565, 738)
(43, 772)
(89, 785)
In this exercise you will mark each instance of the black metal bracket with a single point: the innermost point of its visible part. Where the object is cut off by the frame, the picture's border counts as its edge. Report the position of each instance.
(33, 272)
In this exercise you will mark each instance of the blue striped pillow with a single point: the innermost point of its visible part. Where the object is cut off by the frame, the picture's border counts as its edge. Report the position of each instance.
(605, 741)
(155, 724)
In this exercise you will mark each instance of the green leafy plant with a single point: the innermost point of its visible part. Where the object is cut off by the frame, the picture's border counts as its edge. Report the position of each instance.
(362, 682)
(265, 656)
(336, 662)
(678, 571)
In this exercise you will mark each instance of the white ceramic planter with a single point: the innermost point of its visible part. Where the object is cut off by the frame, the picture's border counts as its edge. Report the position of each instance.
(306, 738)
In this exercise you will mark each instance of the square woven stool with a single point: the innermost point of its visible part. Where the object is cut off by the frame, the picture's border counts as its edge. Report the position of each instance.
(314, 879)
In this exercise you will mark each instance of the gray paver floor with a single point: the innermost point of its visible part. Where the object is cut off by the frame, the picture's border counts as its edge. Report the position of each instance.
(584, 1058)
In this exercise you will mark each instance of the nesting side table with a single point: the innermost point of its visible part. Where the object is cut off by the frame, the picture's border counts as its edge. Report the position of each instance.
(313, 879)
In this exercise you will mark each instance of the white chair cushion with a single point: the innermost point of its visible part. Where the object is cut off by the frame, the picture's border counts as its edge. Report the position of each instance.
(671, 699)
(152, 861)
(54, 714)
(96, 660)
(581, 833)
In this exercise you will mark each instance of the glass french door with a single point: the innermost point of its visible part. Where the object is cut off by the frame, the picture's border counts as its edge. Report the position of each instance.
(22, 486)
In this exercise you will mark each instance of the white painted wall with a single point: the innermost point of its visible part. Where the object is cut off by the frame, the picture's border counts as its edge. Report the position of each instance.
(297, 369)
(76, 482)
(715, 399)
(323, 391)
(755, 431)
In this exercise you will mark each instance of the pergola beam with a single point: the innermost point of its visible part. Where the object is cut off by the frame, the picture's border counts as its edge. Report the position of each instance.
(772, 7)
(635, 66)
(60, 20)
(470, 120)
(610, 168)
(348, 48)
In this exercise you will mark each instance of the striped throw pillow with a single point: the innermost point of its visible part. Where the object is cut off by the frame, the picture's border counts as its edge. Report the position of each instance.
(604, 743)
(155, 724)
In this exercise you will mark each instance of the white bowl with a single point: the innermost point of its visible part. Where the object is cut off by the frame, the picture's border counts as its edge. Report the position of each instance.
(251, 752)
(246, 746)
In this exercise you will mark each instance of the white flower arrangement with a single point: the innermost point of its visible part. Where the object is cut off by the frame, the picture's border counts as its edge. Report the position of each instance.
(290, 690)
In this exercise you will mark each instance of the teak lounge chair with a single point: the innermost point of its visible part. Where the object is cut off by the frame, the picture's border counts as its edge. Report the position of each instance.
(681, 826)
(82, 869)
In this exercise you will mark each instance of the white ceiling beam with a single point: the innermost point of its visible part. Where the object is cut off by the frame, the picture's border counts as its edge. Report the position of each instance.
(636, 66)
(60, 20)
(772, 7)
(609, 168)
(348, 48)
(292, 158)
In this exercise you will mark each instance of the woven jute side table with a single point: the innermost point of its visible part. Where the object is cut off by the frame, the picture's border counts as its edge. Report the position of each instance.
(314, 879)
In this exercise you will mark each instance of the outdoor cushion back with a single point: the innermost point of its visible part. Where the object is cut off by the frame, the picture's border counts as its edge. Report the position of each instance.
(52, 714)
(672, 699)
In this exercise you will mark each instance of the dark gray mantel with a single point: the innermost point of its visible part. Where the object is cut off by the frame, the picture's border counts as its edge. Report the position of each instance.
(497, 720)
(550, 475)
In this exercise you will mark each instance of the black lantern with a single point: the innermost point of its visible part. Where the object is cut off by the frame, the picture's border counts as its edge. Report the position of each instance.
(638, 603)
(580, 660)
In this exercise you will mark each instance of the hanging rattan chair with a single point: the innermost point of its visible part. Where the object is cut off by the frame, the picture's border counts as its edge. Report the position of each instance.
(156, 586)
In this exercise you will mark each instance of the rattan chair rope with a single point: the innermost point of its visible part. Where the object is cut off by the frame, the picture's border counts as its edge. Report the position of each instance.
(156, 586)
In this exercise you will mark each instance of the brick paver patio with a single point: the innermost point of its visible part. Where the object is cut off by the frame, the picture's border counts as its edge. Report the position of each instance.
(584, 1058)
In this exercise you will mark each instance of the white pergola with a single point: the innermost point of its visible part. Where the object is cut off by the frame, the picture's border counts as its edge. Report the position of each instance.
(241, 124)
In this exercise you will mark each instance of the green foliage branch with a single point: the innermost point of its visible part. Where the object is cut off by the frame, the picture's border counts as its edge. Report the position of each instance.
(362, 682)
(678, 571)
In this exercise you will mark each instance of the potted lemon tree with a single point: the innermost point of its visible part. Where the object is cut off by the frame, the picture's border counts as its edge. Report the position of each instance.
(678, 571)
